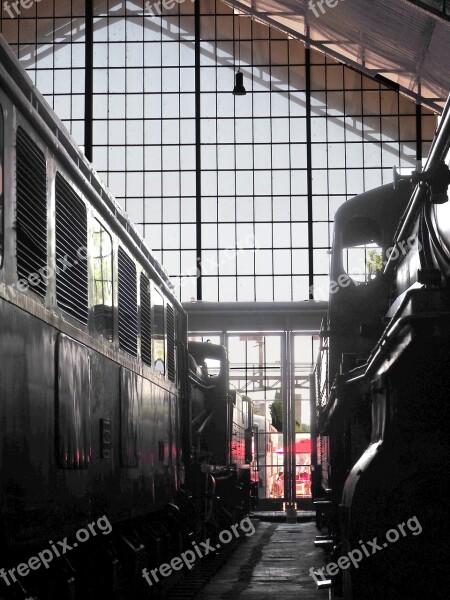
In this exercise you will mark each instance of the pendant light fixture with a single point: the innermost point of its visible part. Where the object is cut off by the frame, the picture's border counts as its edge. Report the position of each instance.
(239, 89)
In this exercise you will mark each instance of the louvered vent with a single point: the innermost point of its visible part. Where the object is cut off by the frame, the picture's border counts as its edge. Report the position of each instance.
(146, 321)
(170, 343)
(31, 216)
(71, 244)
(128, 321)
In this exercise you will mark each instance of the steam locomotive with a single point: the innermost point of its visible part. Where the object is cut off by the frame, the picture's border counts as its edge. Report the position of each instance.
(107, 415)
(382, 416)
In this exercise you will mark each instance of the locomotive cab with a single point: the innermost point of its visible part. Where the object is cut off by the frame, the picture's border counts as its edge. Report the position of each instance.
(384, 423)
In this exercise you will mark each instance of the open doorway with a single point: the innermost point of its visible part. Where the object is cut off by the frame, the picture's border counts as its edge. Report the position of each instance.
(258, 363)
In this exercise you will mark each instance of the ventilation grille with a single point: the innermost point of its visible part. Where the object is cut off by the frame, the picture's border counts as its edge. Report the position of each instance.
(31, 217)
(146, 321)
(170, 343)
(128, 321)
(71, 244)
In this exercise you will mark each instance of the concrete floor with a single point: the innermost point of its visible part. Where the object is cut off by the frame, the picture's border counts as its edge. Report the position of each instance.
(272, 564)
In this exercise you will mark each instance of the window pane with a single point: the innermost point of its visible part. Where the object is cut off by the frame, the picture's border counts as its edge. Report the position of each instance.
(102, 282)
(159, 333)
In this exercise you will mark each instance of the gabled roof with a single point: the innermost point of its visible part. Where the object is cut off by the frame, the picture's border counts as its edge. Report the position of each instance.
(404, 41)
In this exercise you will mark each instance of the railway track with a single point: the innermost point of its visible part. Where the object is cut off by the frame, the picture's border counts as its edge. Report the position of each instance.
(190, 583)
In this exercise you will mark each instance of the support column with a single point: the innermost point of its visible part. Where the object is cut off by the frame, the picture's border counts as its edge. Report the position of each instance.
(198, 156)
(309, 172)
(289, 427)
(89, 80)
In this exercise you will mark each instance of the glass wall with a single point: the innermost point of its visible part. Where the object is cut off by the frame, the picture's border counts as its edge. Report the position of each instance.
(254, 184)
(144, 125)
(49, 38)
(255, 362)
(218, 184)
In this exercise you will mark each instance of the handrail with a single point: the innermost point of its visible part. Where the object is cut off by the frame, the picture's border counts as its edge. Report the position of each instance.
(321, 367)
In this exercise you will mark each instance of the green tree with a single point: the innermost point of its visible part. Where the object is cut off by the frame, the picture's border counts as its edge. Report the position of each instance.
(276, 412)
(302, 427)
(374, 261)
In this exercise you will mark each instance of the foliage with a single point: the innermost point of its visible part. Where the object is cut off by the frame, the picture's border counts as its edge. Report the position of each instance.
(276, 412)
(374, 261)
(302, 427)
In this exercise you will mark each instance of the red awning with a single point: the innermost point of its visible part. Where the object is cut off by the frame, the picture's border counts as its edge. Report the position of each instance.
(302, 446)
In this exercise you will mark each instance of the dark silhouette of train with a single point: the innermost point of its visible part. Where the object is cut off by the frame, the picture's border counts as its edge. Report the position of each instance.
(382, 392)
(110, 422)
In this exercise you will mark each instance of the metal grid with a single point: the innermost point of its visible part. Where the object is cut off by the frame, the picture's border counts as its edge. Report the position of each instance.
(236, 195)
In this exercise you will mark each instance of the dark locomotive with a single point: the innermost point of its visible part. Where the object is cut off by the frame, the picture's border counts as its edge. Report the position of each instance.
(382, 381)
(106, 414)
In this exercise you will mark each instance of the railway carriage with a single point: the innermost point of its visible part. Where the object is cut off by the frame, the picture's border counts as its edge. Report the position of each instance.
(96, 393)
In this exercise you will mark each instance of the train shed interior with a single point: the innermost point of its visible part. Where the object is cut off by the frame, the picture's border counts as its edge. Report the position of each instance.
(270, 177)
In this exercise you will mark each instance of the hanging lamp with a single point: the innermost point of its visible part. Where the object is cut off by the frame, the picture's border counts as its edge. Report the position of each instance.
(239, 89)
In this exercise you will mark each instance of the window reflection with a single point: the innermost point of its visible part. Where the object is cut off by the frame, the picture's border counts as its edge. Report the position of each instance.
(102, 282)
(159, 339)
